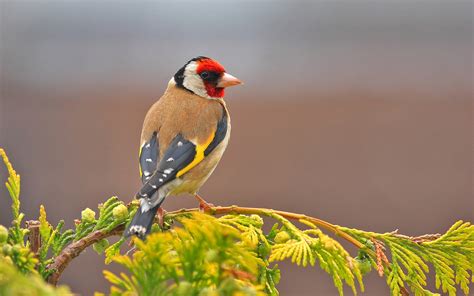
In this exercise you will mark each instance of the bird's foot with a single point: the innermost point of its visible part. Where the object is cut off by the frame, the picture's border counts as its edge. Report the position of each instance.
(204, 206)
(160, 214)
(131, 250)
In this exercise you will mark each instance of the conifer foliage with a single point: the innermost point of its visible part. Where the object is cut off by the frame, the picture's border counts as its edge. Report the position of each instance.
(225, 251)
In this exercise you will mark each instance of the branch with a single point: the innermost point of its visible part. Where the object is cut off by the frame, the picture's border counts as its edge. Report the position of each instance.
(34, 235)
(293, 216)
(74, 249)
(420, 239)
(407, 252)
(269, 213)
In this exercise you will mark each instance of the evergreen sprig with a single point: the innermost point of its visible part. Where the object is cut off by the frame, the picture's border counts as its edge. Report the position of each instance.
(305, 247)
(16, 248)
(232, 253)
(253, 237)
(451, 256)
(13, 282)
(53, 240)
(16, 233)
(204, 257)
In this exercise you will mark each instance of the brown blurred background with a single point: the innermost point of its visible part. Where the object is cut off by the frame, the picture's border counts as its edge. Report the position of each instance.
(358, 113)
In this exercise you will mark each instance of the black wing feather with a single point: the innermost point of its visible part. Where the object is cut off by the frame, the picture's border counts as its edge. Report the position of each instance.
(149, 157)
(221, 131)
(179, 154)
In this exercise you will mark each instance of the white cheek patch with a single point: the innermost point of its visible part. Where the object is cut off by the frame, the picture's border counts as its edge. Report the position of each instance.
(193, 82)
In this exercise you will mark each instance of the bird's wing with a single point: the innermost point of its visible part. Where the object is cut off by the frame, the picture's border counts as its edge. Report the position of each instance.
(181, 156)
(149, 157)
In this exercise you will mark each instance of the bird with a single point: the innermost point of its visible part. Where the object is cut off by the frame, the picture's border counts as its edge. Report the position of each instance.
(183, 138)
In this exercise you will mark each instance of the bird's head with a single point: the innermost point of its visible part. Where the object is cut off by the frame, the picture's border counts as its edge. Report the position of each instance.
(205, 77)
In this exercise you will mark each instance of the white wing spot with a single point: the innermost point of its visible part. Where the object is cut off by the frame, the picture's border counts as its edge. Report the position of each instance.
(164, 175)
(146, 173)
(149, 160)
(154, 186)
(147, 145)
(138, 229)
(180, 144)
(170, 159)
(168, 171)
(161, 180)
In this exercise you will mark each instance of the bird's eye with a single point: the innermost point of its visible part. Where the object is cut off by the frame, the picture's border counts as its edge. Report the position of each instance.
(204, 75)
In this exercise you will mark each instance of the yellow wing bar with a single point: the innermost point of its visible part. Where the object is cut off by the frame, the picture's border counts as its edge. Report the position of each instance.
(198, 157)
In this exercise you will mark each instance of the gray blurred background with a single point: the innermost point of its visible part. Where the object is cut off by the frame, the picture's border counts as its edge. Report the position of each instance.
(357, 112)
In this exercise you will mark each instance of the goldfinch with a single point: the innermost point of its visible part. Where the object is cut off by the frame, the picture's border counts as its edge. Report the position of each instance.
(183, 138)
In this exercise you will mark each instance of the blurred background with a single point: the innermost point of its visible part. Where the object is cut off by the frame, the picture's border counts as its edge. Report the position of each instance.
(357, 112)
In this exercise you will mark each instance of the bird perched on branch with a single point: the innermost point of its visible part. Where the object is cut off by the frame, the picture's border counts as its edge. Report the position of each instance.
(184, 136)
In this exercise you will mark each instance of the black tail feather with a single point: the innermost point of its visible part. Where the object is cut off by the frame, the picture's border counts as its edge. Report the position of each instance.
(141, 223)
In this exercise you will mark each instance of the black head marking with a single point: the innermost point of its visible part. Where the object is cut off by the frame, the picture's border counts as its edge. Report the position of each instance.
(179, 76)
(210, 76)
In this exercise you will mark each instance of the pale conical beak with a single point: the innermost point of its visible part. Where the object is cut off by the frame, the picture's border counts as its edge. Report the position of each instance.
(228, 80)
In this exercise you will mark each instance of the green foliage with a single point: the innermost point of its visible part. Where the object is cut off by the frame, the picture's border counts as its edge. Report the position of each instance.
(253, 238)
(12, 282)
(284, 241)
(204, 257)
(364, 262)
(113, 250)
(53, 239)
(101, 246)
(15, 248)
(305, 247)
(111, 214)
(230, 255)
(18, 274)
(108, 214)
(13, 186)
(451, 255)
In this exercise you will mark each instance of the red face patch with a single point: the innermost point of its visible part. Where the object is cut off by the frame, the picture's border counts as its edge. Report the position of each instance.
(209, 65)
(214, 92)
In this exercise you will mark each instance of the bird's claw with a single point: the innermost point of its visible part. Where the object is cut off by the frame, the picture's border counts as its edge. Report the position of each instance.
(160, 215)
(204, 206)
